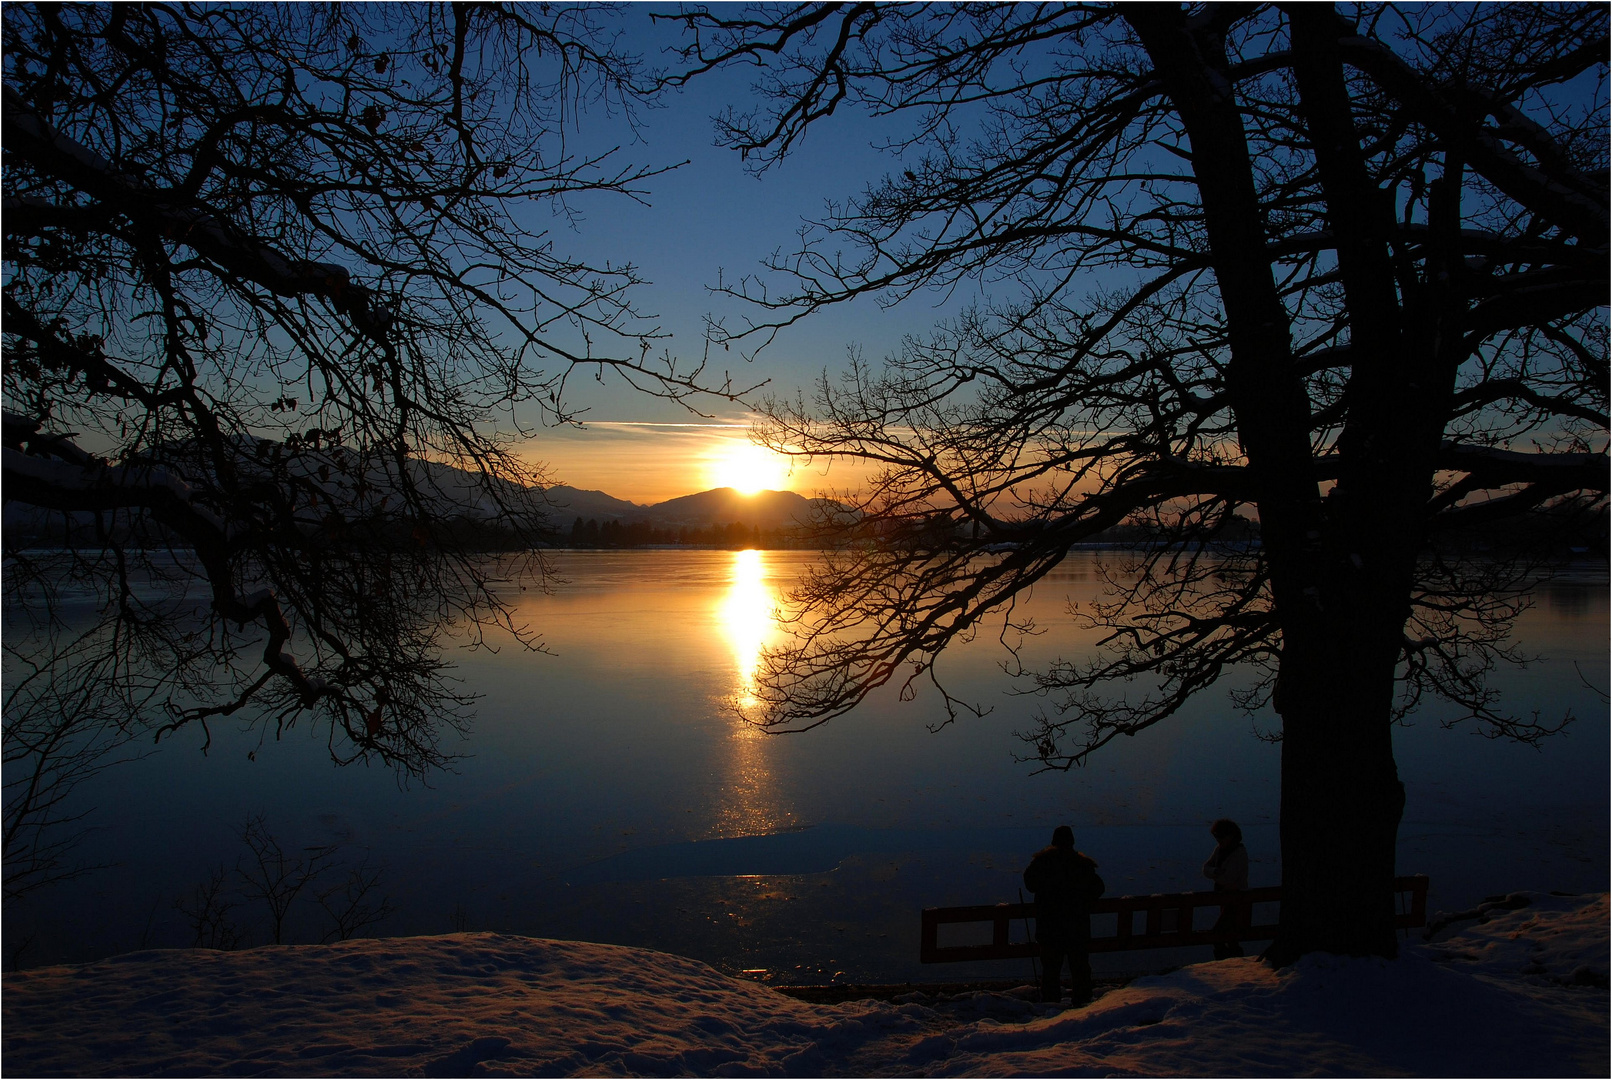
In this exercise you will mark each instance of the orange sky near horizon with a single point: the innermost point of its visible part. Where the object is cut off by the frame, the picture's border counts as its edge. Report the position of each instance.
(647, 462)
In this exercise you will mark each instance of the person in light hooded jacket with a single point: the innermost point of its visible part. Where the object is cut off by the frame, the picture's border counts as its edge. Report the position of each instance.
(1228, 869)
(1065, 882)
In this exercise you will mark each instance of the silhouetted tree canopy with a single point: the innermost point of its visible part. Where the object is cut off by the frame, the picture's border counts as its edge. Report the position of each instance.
(278, 278)
(1345, 268)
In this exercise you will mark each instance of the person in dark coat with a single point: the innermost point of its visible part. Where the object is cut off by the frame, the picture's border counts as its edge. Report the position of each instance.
(1228, 869)
(1065, 882)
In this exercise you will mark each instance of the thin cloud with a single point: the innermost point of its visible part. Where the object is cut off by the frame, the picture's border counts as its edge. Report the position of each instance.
(656, 424)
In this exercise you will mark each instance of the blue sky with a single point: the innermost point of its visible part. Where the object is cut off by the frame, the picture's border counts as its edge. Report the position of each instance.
(712, 216)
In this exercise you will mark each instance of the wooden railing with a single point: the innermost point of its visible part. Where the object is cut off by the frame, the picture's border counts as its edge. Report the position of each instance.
(1168, 920)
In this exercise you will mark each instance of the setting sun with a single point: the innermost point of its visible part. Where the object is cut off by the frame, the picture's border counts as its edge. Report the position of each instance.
(748, 468)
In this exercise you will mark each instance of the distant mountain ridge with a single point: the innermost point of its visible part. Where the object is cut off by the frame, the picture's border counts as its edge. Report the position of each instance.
(587, 503)
(453, 493)
(719, 506)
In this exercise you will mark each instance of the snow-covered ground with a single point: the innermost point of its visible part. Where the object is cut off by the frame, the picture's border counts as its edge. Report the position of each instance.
(1514, 991)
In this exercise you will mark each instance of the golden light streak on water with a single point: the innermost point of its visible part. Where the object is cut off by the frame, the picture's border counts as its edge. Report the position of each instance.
(746, 617)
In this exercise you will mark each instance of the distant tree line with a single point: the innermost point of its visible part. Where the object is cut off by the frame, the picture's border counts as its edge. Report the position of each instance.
(627, 534)
(1551, 531)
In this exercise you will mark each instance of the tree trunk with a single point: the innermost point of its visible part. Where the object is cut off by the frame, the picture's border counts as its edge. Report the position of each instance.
(1340, 567)
(1341, 797)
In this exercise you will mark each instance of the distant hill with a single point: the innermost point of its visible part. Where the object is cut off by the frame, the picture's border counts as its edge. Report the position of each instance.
(453, 493)
(719, 506)
(339, 478)
(586, 503)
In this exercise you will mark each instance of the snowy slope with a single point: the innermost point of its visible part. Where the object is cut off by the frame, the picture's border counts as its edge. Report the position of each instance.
(1520, 994)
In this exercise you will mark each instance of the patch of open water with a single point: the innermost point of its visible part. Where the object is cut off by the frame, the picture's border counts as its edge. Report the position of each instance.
(609, 793)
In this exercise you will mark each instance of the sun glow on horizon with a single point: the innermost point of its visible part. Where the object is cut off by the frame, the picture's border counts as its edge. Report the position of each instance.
(747, 468)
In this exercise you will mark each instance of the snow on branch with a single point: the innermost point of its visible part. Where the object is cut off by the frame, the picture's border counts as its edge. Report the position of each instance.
(1586, 471)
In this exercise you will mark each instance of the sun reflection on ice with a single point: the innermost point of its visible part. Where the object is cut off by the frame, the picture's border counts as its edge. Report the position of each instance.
(747, 619)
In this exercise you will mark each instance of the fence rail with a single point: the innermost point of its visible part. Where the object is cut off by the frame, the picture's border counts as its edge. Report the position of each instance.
(1167, 921)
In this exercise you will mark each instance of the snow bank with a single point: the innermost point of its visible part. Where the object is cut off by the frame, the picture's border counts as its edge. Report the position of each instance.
(1509, 990)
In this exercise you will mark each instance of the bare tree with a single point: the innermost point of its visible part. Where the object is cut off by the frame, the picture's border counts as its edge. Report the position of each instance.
(207, 911)
(1346, 270)
(64, 725)
(275, 876)
(280, 293)
(355, 904)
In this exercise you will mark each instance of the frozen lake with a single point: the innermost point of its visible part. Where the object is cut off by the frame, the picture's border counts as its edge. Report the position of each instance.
(608, 792)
